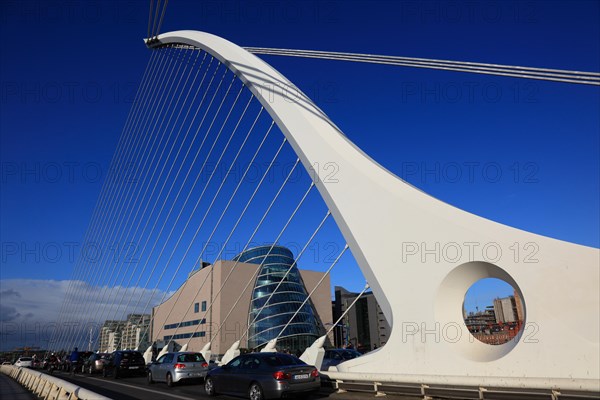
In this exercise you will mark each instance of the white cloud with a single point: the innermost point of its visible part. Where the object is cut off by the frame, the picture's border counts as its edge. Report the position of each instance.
(30, 310)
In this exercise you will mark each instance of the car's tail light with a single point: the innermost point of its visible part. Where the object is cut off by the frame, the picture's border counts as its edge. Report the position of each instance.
(179, 366)
(280, 375)
(204, 365)
(314, 373)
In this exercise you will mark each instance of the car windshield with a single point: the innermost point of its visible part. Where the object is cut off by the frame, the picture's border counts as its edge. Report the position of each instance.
(196, 357)
(277, 360)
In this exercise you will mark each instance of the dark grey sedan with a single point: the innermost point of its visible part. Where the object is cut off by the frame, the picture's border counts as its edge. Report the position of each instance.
(263, 376)
(176, 367)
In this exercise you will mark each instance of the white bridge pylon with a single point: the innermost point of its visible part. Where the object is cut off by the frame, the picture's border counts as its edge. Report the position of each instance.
(420, 256)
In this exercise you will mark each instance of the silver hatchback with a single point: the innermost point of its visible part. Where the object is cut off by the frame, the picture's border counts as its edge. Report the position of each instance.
(175, 367)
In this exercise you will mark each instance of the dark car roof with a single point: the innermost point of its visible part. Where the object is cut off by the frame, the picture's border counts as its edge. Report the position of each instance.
(278, 359)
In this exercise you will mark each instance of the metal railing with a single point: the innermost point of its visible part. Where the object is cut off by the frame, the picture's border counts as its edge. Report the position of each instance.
(439, 391)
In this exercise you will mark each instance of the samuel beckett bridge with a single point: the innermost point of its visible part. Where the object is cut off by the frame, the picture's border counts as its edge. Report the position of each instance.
(234, 174)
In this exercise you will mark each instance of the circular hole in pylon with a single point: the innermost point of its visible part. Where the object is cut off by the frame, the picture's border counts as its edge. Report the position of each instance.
(493, 311)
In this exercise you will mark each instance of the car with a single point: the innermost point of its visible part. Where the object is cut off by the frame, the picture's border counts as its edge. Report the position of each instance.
(263, 376)
(95, 363)
(26, 362)
(335, 356)
(124, 363)
(173, 368)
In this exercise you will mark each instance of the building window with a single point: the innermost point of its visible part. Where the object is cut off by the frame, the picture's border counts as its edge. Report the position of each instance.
(203, 305)
(196, 307)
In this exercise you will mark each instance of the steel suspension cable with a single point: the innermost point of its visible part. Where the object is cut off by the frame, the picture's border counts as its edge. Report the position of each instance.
(103, 194)
(172, 165)
(226, 242)
(347, 309)
(187, 198)
(127, 129)
(202, 195)
(143, 214)
(185, 180)
(240, 149)
(107, 288)
(567, 76)
(107, 220)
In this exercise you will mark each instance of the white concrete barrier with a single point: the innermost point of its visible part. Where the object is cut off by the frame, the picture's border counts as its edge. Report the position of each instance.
(48, 387)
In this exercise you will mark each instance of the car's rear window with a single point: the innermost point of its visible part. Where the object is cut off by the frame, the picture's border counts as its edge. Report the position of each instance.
(282, 359)
(26, 358)
(133, 356)
(196, 357)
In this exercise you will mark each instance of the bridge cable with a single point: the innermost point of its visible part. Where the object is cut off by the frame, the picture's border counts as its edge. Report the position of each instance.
(243, 213)
(556, 75)
(347, 309)
(207, 184)
(123, 205)
(160, 175)
(106, 289)
(161, 18)
(156, 220)
(185, 203)
(185, 179)
(268, 210)
(150, 19)
(199, 258)
(101, 202)
(125, 216)
(115, 167)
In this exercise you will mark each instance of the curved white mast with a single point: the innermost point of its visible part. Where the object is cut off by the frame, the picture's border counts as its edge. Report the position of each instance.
(420, 256)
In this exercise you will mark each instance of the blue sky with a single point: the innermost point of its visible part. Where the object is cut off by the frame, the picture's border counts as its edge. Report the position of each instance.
(69, 72)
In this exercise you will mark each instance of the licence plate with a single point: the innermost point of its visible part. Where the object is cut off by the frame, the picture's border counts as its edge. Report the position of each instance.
(134, 367)
(302, 376)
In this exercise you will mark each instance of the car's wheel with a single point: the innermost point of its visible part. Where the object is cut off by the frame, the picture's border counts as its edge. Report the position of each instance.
(209, 386)
(170, 382)
(150, 380)
(255, 392)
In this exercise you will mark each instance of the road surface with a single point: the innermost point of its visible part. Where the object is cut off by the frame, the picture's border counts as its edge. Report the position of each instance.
(137, 388)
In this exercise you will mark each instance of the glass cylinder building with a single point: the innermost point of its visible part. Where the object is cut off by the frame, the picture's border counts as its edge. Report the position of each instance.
(270, 312)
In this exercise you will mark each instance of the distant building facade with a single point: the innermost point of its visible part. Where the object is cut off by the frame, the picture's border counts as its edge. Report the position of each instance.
(364, 327)
(505, 309)
(129, 334)
(110, 335)
(136, 332)
(223, 300)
